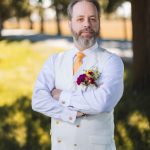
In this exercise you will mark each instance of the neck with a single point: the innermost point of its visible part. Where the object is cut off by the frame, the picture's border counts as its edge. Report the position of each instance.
(79, 47)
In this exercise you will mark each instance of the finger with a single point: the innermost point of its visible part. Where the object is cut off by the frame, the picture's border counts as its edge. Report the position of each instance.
(53, 92)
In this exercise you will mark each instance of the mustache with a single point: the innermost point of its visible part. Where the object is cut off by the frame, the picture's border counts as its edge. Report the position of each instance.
(87, 30)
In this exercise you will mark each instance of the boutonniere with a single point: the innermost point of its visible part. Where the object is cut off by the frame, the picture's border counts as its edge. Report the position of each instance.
(88, 78)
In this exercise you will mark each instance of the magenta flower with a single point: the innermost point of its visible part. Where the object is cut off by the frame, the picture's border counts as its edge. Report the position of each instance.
(81, 79)
(88, 78)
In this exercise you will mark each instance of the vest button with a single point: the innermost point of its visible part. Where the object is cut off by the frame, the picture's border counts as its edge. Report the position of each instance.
(78, 126)
(63, 102)
(57, 122)
(59, 141)
(70, 118)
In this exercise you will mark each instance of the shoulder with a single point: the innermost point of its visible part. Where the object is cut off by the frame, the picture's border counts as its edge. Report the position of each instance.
(59, 57)
(60, 54)
(107, 54)
(108, 59)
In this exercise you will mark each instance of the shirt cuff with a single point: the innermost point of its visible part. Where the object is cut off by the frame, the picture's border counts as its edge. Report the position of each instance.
(64, 98)
(69, 115)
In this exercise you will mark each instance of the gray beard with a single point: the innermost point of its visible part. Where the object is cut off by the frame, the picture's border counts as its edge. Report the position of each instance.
(84, 42)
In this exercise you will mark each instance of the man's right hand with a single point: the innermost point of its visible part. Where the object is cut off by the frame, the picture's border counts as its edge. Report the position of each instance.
(80, 114)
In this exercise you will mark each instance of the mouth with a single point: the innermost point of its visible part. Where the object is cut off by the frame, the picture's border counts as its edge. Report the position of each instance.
(87, 31)
(87, 34)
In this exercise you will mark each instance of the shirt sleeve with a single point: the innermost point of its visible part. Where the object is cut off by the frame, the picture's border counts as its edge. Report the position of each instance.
(105, 97)
(43, 102)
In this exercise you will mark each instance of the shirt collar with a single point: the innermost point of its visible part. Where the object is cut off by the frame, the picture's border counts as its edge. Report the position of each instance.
(86, 51)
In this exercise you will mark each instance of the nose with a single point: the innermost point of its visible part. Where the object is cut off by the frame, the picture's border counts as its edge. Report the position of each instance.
(87, 23)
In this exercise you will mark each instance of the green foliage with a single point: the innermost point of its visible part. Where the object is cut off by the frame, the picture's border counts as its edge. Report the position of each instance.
(5, 6)
(113, 5)
(23, 129)
(61, 5)
(13, 8)
(132, 117)
(21, 8)
(9, 8)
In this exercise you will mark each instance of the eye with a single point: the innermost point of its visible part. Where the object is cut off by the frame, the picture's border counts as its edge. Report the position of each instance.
(80, 19)
(93, 19)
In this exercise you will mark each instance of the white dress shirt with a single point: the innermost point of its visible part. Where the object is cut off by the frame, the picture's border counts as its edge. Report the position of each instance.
(102, 99)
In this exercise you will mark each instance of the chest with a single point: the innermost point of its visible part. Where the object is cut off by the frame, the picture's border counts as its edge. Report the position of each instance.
(64, 77)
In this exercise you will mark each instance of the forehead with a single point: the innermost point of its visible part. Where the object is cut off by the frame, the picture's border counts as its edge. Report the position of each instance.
(84, 8)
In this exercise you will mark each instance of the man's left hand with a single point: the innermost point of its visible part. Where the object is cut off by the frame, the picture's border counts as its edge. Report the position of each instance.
(56, 93)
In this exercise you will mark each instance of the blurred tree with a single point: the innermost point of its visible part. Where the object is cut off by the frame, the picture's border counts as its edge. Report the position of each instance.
(141, 40)
(9, 8)
(41, 10)
(60, 8)
(5, 6)
(103, 4)
(21, 8)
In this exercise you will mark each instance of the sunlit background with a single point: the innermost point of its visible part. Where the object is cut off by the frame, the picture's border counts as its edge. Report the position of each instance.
(32, 30)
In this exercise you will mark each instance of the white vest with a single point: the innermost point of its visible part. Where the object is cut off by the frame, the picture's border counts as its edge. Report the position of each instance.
(94, 132)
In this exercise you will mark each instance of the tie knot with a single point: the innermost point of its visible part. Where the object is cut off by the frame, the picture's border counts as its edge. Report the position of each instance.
(80, 55)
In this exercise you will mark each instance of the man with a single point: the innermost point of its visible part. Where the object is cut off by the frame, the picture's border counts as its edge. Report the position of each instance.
(79, 88)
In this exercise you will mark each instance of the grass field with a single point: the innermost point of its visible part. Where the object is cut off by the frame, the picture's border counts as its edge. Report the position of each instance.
(23, 129)
(20, 63)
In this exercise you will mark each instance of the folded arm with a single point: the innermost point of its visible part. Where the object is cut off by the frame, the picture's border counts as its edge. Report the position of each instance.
(102, 99)
(43, 102)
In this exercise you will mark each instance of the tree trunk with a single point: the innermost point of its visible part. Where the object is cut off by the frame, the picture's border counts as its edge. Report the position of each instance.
(31, 23)
(141, 44)
(1, 25)
(42, 25)
(41, 13)
(124, 20)
(18, 22)
(58, 21)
